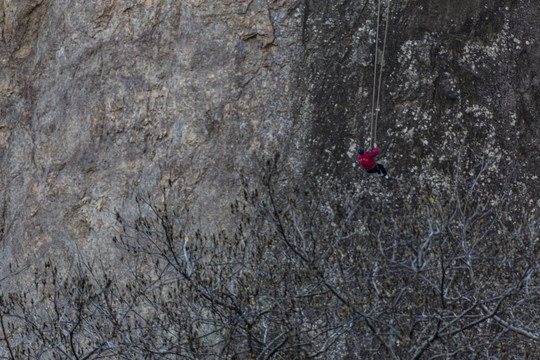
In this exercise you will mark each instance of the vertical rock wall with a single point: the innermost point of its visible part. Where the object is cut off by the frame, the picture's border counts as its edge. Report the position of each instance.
(106, 99)
(103, 100)
(457, 79)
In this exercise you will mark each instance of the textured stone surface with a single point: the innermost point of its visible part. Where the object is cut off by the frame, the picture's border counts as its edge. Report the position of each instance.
(105, 99)
(102, 100)
(456, 78)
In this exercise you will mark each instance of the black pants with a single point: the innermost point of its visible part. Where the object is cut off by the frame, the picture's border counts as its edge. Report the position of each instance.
(378, 168)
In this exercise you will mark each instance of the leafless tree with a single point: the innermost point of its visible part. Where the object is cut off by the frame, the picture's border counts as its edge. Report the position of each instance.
(309, 272)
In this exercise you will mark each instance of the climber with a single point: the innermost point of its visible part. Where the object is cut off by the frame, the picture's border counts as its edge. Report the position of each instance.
(367, 162)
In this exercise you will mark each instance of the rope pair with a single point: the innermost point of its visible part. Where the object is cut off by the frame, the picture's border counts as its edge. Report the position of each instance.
(375, 102)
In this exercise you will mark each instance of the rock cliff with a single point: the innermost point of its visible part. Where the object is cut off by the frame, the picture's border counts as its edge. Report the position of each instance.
(106, 99)
(106, 104)
(103, 100)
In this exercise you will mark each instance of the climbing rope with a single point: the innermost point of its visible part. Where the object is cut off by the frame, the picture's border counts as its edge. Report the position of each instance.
(375, 101)
(371, 139)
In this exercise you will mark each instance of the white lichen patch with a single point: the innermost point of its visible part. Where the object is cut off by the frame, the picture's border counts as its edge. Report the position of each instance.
(351, 152)
(513, 119)
(414, 60)
(480, 56)
(479, 112)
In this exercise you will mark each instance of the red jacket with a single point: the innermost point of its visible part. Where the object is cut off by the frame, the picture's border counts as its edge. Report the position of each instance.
(366, 159)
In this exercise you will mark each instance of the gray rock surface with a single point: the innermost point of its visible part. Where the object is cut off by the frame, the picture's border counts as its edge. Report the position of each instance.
(103, 100)
(106, 99)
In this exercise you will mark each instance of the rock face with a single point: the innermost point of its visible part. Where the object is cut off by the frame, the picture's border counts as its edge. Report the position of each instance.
(457, 79)
(106, 99)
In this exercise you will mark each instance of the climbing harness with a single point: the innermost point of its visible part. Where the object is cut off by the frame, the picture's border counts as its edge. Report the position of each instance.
(376, 96)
